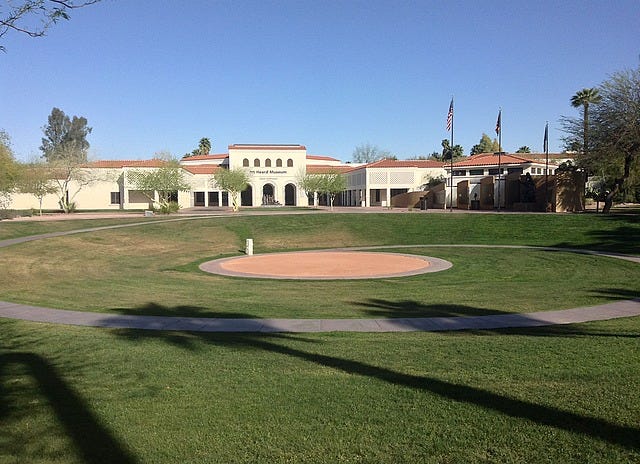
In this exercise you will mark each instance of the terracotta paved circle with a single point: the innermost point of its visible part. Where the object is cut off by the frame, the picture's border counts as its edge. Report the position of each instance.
(325, 265)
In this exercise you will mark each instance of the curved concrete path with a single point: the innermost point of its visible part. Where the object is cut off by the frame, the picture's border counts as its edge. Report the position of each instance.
(617, 309)
(613, 310)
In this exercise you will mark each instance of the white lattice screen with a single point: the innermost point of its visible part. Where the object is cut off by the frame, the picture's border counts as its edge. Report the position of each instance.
(401, 178)
(378, 177)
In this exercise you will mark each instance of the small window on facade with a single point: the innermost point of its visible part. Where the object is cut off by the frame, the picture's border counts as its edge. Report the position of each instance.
(494, 171)
(256, 163)
(289, 163)
(278, 163)
(267, 163)
(459, 172)
(115, 198)
(245, 163)
(476, 172)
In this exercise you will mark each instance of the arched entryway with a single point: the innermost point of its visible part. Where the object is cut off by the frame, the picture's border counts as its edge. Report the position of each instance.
(268, 195)
(290, 195)
(246, 197)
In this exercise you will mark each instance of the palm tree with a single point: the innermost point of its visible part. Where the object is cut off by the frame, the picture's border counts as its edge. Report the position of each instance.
(584, 98)
(204, 146)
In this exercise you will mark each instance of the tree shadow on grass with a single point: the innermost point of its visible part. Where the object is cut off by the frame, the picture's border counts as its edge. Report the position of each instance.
(157, 309)
(628, 437)
(624, 238)
(92, 440)
(410, 308)
(615, 294)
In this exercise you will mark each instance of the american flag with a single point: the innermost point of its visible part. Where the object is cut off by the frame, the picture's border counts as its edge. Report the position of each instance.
(499, 122)
(450, 116)
(545, 143)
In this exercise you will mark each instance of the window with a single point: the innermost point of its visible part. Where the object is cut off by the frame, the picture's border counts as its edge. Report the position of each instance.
(494, 171)
(289, 163)
(256, 163)
(278, 163)
(460, 172)
(514, 170)
(245, 163)
(198, 199)
(267, 163)
(115, 198)
(476, 172)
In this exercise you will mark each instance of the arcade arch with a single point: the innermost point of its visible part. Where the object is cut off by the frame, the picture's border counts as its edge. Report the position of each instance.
(290, 195)
(268, 195)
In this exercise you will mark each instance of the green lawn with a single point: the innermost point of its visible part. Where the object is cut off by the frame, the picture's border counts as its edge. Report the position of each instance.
(153, 269)
(544, 395)
(556, 394)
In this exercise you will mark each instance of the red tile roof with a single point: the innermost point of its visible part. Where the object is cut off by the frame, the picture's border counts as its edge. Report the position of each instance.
(259, 146)
(491, 159)
(206, 157)
(321, 158)
(202, 168)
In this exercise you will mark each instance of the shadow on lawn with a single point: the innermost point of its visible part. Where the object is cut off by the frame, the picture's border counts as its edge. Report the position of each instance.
(623, 238)
(410, 308)
(92, 440)
(628, 437)
(156, 309)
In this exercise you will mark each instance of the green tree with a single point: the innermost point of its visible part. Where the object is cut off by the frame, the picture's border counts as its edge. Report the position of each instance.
(65, 137)
(524, 149)
(204, 147)
(486, 145)
(36, 178)
(70, 176)
(585, 98)
(368, 153)
(614, 135)
(34, 17)
(160, 184)
(233, 181)
(310, 183)
(613, 143)
(330, 183)
(447, 151)
(9, 170)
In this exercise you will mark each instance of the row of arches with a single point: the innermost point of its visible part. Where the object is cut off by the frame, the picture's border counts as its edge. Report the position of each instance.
(267, 163)
(269, 197)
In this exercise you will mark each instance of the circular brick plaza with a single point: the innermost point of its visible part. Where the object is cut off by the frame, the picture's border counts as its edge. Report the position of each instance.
(325, 265)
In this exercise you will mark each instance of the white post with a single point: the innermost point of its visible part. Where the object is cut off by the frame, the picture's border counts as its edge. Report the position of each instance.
(249, 247)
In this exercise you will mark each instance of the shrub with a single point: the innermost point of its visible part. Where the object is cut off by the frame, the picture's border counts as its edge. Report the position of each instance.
(169, 208)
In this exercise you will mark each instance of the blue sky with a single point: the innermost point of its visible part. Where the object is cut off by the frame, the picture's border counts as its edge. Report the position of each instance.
(159, 75)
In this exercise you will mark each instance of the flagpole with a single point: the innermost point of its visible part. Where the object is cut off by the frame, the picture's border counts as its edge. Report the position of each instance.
(451, 187)
(546, 166)
(499, 131)
(450, 126)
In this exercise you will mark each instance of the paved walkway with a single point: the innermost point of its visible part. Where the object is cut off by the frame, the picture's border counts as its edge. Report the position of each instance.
(617, 309)
(613, 310)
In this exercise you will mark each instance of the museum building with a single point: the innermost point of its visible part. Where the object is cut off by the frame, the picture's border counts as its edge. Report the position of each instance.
(274, 172)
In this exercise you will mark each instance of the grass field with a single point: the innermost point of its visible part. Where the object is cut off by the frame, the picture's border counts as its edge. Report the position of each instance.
(556, 394)
(153, 269)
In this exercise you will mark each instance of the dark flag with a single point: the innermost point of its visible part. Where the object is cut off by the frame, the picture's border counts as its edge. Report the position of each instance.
(450, 116)
(499, 122)
(545, 143)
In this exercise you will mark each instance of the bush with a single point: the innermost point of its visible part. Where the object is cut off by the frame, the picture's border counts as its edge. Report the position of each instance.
(7, 214)
(170, 207)
(13, 213)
